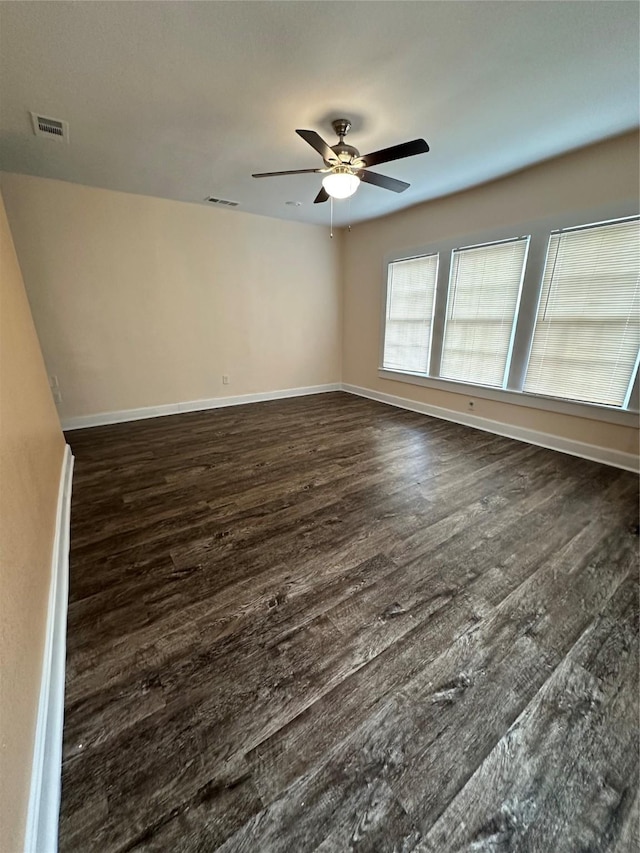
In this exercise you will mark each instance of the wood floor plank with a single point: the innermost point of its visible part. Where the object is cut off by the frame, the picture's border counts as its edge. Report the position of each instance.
(404, 506)
(570, 758)
(526, 637)
(203, 822)
(311, 623)
(417, 740)
(295, 747)
(628, 840)
(382, 590)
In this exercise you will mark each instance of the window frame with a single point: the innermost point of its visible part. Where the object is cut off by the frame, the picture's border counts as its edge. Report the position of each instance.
(386, 307)
(539, 232)
(634, 373)
(525, 238)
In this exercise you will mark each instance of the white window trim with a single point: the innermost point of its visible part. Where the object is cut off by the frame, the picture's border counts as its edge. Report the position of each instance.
(623, 417)
(539, 231)
(527, 240)
(386, 307)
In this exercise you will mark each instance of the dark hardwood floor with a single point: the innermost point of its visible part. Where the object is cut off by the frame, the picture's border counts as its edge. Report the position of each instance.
(327, 624)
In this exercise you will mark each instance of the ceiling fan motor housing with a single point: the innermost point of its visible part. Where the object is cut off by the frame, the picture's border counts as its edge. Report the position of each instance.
(345, 153)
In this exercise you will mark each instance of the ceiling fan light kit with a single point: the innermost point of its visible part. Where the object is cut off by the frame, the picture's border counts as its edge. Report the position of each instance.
(341, 182)
(344, 168)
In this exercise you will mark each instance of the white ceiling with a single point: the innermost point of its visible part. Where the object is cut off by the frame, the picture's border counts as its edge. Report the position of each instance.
(186, 99)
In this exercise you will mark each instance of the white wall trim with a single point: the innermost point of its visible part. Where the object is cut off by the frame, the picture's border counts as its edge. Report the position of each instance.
(593, 452)
(607, 456)
(104, 418)
(608, 414)
(41, 835)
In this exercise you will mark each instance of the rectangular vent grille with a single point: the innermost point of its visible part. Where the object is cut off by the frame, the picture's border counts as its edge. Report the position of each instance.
(223, 201)
(52, 128)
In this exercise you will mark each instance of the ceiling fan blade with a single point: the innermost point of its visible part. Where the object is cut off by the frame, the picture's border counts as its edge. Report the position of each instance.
(383, 181)
(290, 172)
(316, 141)
(396, 152)
(323, 195)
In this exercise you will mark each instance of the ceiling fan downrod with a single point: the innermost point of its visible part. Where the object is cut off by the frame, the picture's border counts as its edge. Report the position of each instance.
(345, 153)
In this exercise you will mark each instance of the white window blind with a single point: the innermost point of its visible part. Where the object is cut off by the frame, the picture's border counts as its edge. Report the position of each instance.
(410, 293)
(484, 289)
(587, 333)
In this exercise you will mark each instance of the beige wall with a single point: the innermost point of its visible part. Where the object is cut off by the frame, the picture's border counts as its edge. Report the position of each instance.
(31, 451)
(604, 174)
(141, 301)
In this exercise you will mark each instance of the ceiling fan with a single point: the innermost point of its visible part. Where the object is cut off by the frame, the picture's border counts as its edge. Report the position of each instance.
(345, 167)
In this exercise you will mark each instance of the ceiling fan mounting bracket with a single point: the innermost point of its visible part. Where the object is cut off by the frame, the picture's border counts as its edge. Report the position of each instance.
(342, 126)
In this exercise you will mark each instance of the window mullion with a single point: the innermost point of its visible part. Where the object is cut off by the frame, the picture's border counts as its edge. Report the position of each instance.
(526, 316)
(633, 397)
(439, 313)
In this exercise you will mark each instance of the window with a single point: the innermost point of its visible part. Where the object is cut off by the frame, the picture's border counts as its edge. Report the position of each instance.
(409, 312)
(587, 331)
(550, 320)
(484, 288)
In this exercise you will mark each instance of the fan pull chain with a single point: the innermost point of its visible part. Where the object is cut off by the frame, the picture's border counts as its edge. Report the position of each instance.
(331, 206)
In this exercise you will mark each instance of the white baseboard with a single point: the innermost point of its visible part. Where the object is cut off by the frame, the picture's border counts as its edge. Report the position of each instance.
(104, 418)
(43, 811)
(607, 456)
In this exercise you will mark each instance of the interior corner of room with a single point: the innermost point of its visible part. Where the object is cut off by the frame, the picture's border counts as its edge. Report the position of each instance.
(34, 462)
(147, 306)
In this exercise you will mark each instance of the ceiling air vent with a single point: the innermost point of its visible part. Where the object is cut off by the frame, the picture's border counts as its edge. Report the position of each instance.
(222, 201)
(52, 128)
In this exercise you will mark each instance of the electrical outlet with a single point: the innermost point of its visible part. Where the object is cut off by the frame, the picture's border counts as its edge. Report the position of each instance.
(225, 379)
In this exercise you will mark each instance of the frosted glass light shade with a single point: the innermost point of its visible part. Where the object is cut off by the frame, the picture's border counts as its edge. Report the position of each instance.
(341, 184)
